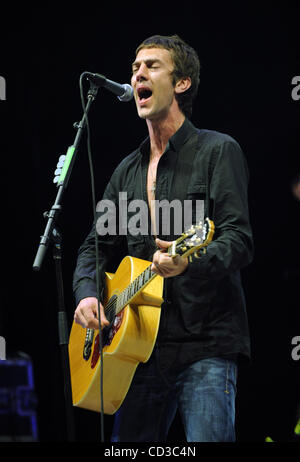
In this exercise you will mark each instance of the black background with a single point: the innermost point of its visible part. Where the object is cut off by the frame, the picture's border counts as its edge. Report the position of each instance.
(249, 56)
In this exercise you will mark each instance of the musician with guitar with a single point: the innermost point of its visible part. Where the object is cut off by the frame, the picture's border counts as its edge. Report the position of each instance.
(174, 323)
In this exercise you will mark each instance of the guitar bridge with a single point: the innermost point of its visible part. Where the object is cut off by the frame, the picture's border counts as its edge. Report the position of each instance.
(88, 343)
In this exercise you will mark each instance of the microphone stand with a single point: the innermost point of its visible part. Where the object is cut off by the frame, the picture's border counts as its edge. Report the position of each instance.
(51, 234)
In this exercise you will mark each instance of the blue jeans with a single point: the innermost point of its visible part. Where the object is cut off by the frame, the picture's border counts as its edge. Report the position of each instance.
(204, 392)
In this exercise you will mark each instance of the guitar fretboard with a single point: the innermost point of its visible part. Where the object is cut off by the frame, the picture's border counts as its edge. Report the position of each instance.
(195, 238)
(133, 288)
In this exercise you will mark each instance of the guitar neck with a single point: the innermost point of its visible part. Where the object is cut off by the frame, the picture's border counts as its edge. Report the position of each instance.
(184, 246)
(136, 286)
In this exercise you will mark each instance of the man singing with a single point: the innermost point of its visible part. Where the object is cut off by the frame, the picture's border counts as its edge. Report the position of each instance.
(203, 333)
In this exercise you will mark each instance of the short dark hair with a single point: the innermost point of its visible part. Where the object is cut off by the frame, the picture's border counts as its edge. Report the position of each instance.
(186, 64)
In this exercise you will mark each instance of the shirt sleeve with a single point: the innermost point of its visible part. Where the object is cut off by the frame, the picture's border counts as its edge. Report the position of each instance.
(232, 244)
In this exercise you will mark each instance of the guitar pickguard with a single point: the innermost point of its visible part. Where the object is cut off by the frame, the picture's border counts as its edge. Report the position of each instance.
(108, 334)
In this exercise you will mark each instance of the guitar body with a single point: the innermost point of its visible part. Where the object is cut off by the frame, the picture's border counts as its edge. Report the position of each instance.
(132, 304)
(131, 341)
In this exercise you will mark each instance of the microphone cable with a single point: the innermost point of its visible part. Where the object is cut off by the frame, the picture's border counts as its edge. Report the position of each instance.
(96, 251)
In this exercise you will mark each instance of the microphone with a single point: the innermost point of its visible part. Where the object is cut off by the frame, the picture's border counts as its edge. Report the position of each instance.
(123, 91)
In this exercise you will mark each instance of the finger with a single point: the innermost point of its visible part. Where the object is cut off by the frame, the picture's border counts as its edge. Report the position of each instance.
(160, 258)
(165, 261)
(79, 319)
(86, 316)
(176, 259)
(92, 318)
(162, 244)
(104, 320)
(162, 271)
(158, 272)
(93, 324)
(156, 259)
(165, 271)
(156, 269)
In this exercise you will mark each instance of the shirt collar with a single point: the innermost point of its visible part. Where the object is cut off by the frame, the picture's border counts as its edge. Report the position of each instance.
(176, 141)
(182, 135)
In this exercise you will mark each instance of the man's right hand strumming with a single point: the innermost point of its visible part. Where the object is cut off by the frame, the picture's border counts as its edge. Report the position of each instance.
(86, 314)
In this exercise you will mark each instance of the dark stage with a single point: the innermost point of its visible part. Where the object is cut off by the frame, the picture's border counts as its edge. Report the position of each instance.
(249, 57)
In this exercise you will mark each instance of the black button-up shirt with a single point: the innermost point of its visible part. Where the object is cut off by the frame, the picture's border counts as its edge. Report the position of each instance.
(203, 313)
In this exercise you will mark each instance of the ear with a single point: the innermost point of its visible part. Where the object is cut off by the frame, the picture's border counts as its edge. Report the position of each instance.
(182, 85)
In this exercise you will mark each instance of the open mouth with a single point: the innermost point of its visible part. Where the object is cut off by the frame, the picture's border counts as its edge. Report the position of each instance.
(144, 94)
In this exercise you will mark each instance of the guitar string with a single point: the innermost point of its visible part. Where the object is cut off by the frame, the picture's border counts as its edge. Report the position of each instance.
(112, 302)
(110, 305)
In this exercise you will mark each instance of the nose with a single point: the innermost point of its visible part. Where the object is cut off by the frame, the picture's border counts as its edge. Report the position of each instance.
(141, 73)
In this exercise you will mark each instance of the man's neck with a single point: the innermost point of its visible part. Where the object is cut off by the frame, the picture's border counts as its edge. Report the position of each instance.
(160, 131)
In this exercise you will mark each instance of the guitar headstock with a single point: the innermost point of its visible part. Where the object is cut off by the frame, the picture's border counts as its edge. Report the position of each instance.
(195, 238)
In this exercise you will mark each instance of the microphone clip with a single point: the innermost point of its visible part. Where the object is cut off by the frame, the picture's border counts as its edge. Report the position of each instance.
(93, 90)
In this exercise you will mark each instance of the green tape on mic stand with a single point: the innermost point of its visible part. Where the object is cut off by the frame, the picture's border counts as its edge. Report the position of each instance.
(66, 165)
(297, 428)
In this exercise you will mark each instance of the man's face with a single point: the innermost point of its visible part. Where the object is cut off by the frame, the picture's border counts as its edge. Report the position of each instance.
(152, 83)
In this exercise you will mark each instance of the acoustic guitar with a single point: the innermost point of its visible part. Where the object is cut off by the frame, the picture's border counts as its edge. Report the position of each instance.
(132, 304)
